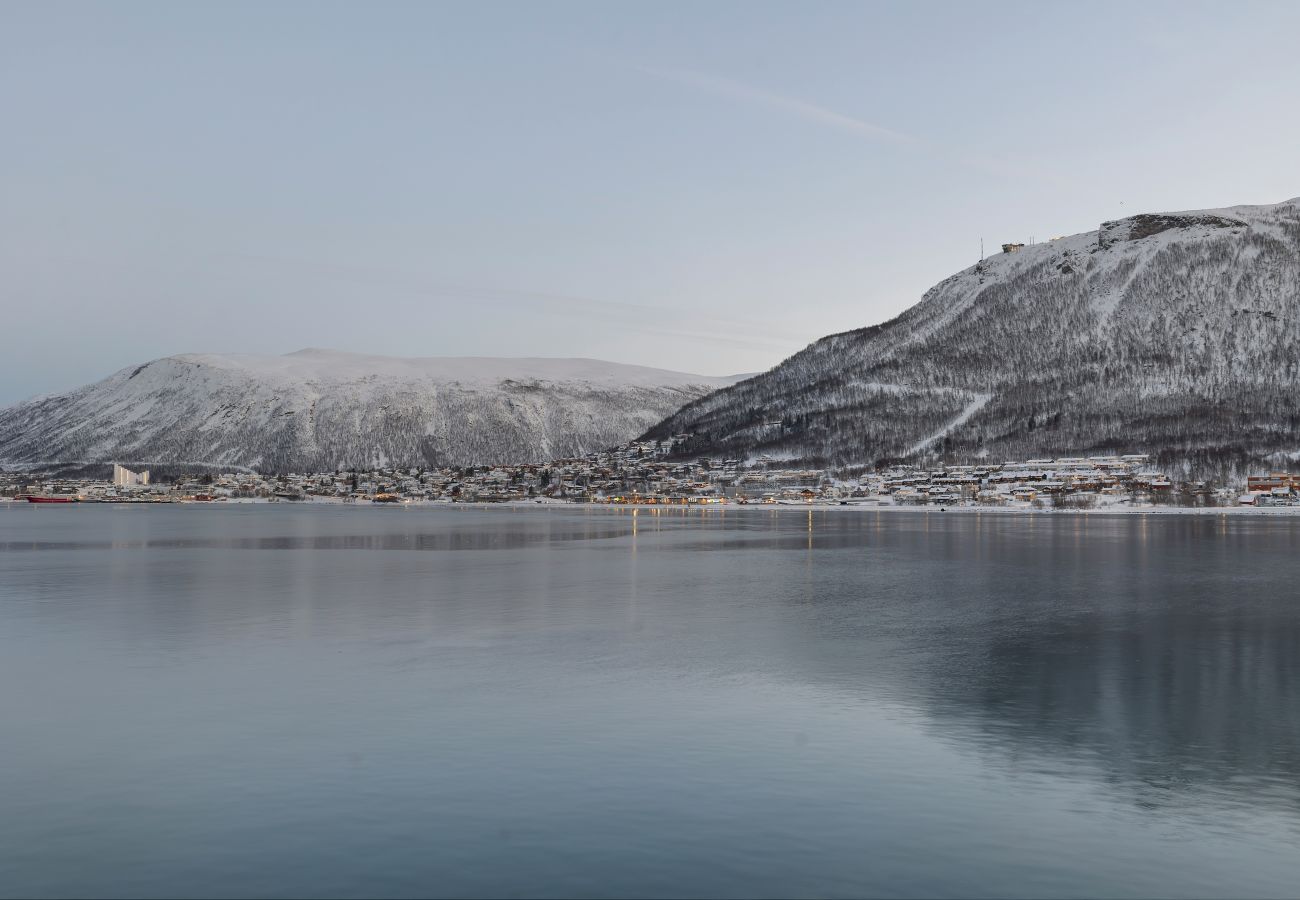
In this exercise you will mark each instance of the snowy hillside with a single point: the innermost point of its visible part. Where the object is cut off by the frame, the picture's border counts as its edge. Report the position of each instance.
(323, 409)
(1176, 333)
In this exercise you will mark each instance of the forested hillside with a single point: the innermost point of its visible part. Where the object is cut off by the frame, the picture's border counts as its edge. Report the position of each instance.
(1177, 334)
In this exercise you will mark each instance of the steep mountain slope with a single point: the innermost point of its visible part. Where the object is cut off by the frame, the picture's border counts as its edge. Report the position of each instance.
(1178, 334)
(322, 409)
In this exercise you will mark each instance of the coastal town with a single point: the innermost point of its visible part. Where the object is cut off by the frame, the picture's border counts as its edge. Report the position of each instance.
(648, 473)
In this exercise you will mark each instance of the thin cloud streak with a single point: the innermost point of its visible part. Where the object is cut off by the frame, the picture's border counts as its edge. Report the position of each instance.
(800, 108)
(821, 115)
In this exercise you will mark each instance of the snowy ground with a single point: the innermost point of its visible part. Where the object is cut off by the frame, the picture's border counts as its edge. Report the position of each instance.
(980, 401)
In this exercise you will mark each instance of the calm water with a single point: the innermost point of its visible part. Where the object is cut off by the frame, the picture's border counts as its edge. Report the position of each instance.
(287, 701)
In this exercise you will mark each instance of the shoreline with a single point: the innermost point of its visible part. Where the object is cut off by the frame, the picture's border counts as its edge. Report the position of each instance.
(742, 508)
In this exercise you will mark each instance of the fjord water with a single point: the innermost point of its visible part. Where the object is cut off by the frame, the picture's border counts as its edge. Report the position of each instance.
(341, 701)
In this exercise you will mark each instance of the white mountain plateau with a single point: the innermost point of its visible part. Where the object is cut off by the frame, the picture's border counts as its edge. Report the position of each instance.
(318, 410)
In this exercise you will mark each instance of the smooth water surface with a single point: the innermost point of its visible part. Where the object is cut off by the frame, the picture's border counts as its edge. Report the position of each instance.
(339, 701)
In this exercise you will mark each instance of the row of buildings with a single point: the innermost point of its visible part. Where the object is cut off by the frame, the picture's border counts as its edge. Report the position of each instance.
(646, 473)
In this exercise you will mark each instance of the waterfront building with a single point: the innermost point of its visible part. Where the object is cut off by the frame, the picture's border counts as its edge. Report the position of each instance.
(124, 477)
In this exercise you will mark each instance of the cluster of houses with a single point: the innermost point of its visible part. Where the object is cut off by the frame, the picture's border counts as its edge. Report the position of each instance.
(1276, 489)
(646, 473)
(1128, 478)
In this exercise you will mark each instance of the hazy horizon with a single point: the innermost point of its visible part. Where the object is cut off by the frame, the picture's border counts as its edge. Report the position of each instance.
(706, 189)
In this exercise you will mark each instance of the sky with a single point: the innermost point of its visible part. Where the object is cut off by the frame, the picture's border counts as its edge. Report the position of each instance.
(706, 187)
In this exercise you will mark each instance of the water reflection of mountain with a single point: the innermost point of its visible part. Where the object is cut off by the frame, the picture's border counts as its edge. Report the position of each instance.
(1157, 655)
(1165, 706)
(1161, 656)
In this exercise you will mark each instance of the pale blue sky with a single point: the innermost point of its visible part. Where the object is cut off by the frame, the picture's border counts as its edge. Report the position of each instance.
(706, 187)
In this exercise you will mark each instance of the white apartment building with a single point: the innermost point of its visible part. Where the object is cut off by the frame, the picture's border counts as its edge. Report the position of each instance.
(124, 477)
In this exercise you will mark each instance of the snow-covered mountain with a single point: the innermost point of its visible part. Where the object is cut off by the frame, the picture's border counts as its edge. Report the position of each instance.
(318, 410)
(1177, 334)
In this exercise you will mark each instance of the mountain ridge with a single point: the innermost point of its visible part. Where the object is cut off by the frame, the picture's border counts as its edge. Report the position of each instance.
(318, 409)
(1170, 332)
